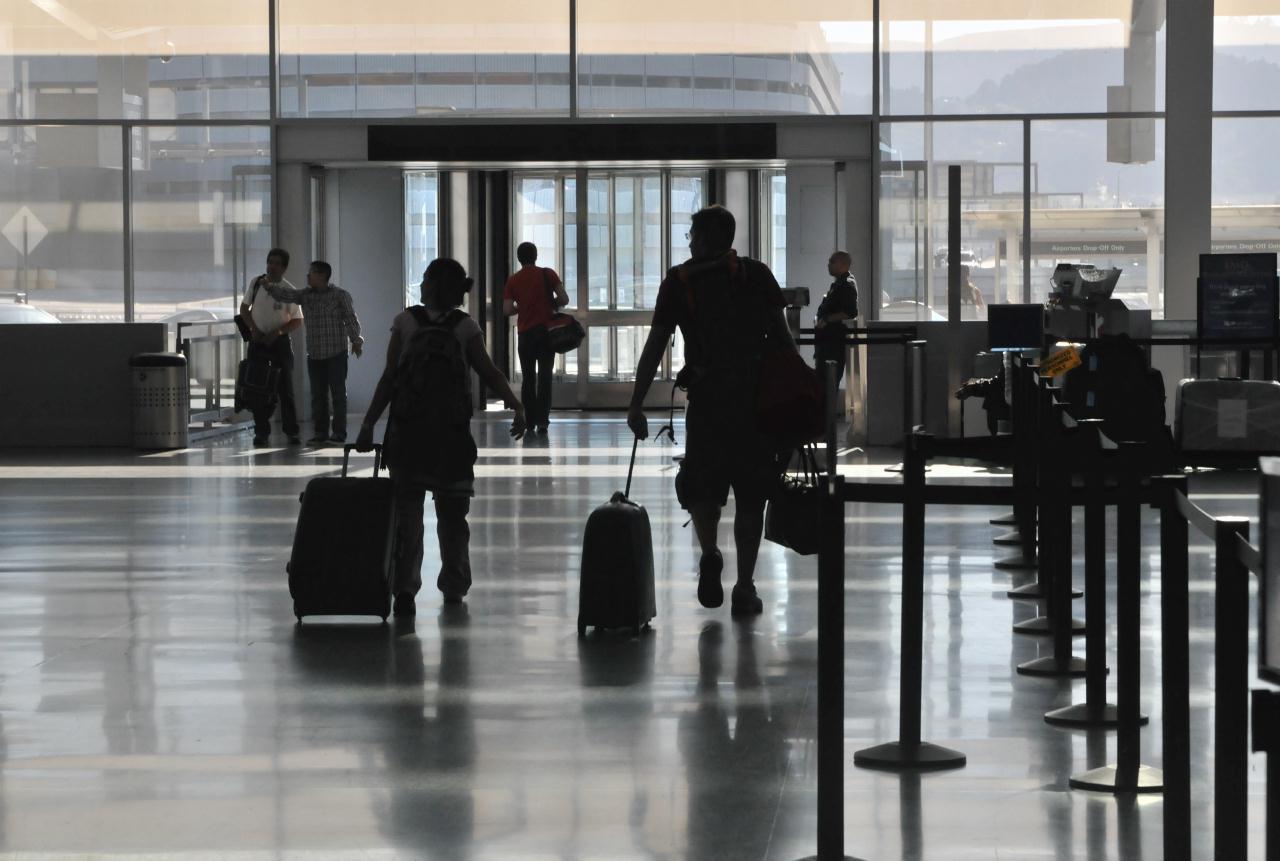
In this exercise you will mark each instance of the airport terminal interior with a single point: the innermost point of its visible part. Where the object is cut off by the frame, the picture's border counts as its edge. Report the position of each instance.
(1015, 592)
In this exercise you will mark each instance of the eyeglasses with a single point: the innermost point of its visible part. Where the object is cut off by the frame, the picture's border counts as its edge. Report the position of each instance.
(688, 234)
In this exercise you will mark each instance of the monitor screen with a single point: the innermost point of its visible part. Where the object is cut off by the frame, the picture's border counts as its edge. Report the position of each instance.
(1015, 327)
(1269, 584)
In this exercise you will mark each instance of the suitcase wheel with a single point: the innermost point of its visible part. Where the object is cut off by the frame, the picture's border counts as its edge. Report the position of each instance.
(301, 496)
(299, 618)
(384, 620)
(582, 630)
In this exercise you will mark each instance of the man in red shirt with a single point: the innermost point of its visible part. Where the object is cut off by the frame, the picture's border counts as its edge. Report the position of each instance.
(730, 310)
(533, 294)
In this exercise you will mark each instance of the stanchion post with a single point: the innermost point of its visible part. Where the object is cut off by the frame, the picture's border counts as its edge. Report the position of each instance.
(1266, 718)
(909, 752)
(1175, 662)
(1128, 775)
(831, 674)
(1231, 693)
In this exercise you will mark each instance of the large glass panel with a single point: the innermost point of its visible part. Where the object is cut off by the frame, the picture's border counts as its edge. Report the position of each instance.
(722, 56)
(61, 221)
(1246, 205)
(988, 57)
(913, 216)
(1246, 55)
(637, 240)
(773, 208)
(1098, 198)
(615, 352)
(400, 58)
(688, 195)
(599, 248)
(421, 228)
(201, 219)
(89, 59)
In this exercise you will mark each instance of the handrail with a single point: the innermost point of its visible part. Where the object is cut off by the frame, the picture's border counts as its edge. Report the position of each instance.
(1195, 515)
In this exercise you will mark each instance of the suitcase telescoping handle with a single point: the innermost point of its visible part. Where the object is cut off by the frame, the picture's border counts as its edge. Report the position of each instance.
(346, 458)
(630, 469)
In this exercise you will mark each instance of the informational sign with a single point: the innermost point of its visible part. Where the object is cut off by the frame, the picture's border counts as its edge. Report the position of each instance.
(1060, 362)
(1245, 265)
(24, 231)
(1235, 306)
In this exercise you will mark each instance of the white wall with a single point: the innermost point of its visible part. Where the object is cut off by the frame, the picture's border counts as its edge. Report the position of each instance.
(365, 220)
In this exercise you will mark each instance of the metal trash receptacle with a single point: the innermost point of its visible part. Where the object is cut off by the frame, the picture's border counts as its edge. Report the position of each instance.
(161, 400)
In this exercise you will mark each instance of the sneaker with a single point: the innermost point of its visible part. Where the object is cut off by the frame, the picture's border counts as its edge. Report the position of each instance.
(338, 438)
(710, 592)
(295, 440)
(405, 605)
(745, 601)
(317, 440)
(259, 442)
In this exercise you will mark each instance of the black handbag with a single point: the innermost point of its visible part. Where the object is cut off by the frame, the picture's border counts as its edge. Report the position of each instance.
(564, 333)
(793, 516)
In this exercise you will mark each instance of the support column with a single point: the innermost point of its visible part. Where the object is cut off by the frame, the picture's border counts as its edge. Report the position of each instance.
(1188, 151)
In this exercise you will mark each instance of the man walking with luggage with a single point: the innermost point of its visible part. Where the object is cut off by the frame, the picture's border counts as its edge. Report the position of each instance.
(533, 294)
(433, 350)
(840, 304)
(730, 311)
(270, 321)
(331, 325)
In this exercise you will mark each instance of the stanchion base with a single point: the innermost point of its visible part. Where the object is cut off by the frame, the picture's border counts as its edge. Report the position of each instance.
(1009, 539)
(817, 858)
(1074, 667)
(1106, 779)
(1087, 716)
(1004, 520)
(1040, 626)
(1027, 592)
(896, 756)
(1017, 563)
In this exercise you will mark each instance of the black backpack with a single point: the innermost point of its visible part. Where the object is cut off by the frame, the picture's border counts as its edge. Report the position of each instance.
(429, 431)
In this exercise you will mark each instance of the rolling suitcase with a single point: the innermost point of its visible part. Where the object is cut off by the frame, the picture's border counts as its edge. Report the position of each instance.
(1228, 416)
(343, 549)
(617, 564)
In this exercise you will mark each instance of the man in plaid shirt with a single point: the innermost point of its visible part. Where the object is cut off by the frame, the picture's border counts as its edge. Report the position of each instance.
(331, 323)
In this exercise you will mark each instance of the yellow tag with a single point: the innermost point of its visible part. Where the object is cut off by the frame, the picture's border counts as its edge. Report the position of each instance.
(1060, 362)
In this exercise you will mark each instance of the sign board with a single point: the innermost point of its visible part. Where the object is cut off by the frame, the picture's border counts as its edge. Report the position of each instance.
(1060, 362)
(24, 231)
(1233, 306)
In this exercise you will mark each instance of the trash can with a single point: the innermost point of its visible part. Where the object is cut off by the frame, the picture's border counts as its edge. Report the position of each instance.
(161, 397)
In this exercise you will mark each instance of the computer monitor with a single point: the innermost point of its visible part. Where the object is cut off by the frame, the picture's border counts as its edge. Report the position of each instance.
(1015, 327)
(1081, 283)
(1269, 584)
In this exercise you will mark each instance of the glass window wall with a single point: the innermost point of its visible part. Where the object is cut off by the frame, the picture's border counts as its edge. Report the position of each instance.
(913, 217)
(61, 224)
(722, 56)
(421, 229)
(201, 219)
(121, 60)
(1098, 198)
(1246, 55)
(399, 58)
(1246, 205)
(941, 57)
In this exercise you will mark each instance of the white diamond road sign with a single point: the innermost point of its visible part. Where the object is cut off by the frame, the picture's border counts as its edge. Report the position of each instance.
(34, 230)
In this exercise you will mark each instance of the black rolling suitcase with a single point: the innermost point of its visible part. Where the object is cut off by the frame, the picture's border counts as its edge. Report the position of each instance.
(343, 549)
(617, 564)
(257, 384)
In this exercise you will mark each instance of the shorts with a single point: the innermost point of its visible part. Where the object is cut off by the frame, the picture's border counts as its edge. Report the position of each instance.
(724, 450)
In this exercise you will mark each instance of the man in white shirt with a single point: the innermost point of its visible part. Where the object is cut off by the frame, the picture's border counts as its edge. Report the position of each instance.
(270, 322)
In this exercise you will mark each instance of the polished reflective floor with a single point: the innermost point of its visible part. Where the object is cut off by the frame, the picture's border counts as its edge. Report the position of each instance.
(157, 699)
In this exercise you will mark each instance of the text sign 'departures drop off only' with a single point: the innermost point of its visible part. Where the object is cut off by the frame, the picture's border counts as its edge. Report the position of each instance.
(1060, 362)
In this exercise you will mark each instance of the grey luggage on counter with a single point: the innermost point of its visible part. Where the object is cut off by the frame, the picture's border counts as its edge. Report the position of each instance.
(343, 549)
(617, 588)
(1230, 416)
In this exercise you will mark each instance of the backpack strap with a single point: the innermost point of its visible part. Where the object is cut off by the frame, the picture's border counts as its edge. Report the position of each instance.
(448, 321)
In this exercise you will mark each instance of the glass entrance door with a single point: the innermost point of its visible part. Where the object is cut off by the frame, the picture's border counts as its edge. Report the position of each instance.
(612, 263)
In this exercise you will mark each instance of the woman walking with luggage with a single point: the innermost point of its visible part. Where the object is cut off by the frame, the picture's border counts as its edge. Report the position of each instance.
(427, 382)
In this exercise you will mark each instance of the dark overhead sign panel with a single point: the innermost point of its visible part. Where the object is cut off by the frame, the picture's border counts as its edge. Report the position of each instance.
(575, 143)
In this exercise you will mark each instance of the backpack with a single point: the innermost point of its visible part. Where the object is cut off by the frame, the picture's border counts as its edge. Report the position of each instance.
(429, 431)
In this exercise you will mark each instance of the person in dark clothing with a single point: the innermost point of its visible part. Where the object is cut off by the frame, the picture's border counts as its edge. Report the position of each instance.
(270, 321)
(730, 311)
(840, 304)
(532, 295)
